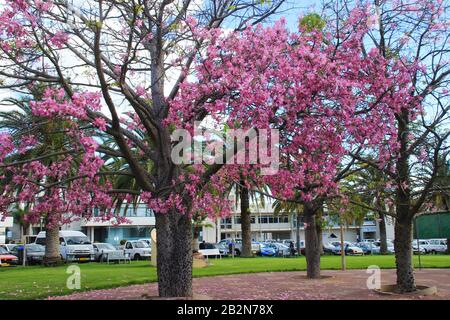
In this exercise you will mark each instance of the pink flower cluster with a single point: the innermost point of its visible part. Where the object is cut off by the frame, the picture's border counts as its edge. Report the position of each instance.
(325, 99)
(55, 104)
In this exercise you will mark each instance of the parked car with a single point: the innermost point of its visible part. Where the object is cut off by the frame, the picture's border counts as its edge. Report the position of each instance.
(212, 250)
(138, 250)
(147, 240)
(74, 245)
(437, 245)
(8, 247)
(35, 253)
(368, 247)
(222, 248)
(237, 243)
(328, 248)
(282, 250)
(266, 250)
(374, 247)
(7, 259)
(349, 248)
(416, 249)
(101, 250)
(425, 244)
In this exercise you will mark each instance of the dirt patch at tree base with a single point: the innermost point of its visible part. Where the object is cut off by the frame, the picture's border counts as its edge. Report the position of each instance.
(391, 289)
(305, 277)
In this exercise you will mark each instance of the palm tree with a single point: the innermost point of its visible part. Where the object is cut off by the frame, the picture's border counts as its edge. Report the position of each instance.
(20, 122)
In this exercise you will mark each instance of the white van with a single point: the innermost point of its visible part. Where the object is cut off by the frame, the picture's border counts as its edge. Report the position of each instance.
(74, 245)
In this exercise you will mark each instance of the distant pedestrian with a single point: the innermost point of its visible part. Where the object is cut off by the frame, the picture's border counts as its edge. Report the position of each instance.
(231, 247)
(292, 248)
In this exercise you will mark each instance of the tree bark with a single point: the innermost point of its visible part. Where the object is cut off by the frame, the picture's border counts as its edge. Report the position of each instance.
(319, 236)
(195, 236)
(52, 254)
(174, 262)
(246, 224)
(404, 214)
(403, 257)
(312, 243)
(383, 237)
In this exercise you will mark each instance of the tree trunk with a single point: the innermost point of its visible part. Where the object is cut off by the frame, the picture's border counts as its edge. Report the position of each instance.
(52, 251)
(319, 236)
(195, 236)
(403, 256)
(297, 240)
(174, 262)
(312, 243)
(383, 237)
(246, 224)
(404, 215)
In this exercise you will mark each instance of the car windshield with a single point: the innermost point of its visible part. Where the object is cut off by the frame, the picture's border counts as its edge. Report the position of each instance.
(77, 240)
(3, 250)
(140, 244)
(35, 248)
(105, 246)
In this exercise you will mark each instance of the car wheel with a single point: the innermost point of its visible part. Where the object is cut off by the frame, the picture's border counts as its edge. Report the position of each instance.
(137, 256)
(237, 252)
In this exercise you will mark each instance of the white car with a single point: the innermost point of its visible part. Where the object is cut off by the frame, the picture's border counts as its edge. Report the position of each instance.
(350, 248)
(437, 245)
(417, 249)
(8, 247)
(425, 244)
(73, 245)
(103, 249)
(137, 250)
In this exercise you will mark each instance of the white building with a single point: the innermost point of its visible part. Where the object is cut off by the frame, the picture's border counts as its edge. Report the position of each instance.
(141, 221)
(5, 233)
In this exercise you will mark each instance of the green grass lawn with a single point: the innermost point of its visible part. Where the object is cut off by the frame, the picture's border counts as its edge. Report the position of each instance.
(38, 282)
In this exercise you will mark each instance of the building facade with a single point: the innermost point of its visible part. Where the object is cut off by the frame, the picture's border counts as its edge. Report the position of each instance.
(6, 226)
(265, 225)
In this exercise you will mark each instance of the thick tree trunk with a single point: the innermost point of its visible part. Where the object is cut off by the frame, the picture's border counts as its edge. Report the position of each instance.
(312, 243)
(246, 224)
(403, 256)
(52, 251)
(404, 215)
(383, 237)
(174, 262)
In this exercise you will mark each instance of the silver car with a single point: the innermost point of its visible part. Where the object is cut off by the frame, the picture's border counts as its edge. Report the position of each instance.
(35, 252)
(101, 250)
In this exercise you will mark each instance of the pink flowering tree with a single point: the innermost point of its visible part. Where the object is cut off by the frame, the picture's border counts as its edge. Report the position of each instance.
(50, 168)
(119, 67)
(326, 98)
(418, 33)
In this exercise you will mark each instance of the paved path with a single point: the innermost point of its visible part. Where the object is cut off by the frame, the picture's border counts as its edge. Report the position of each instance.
(349, 284)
